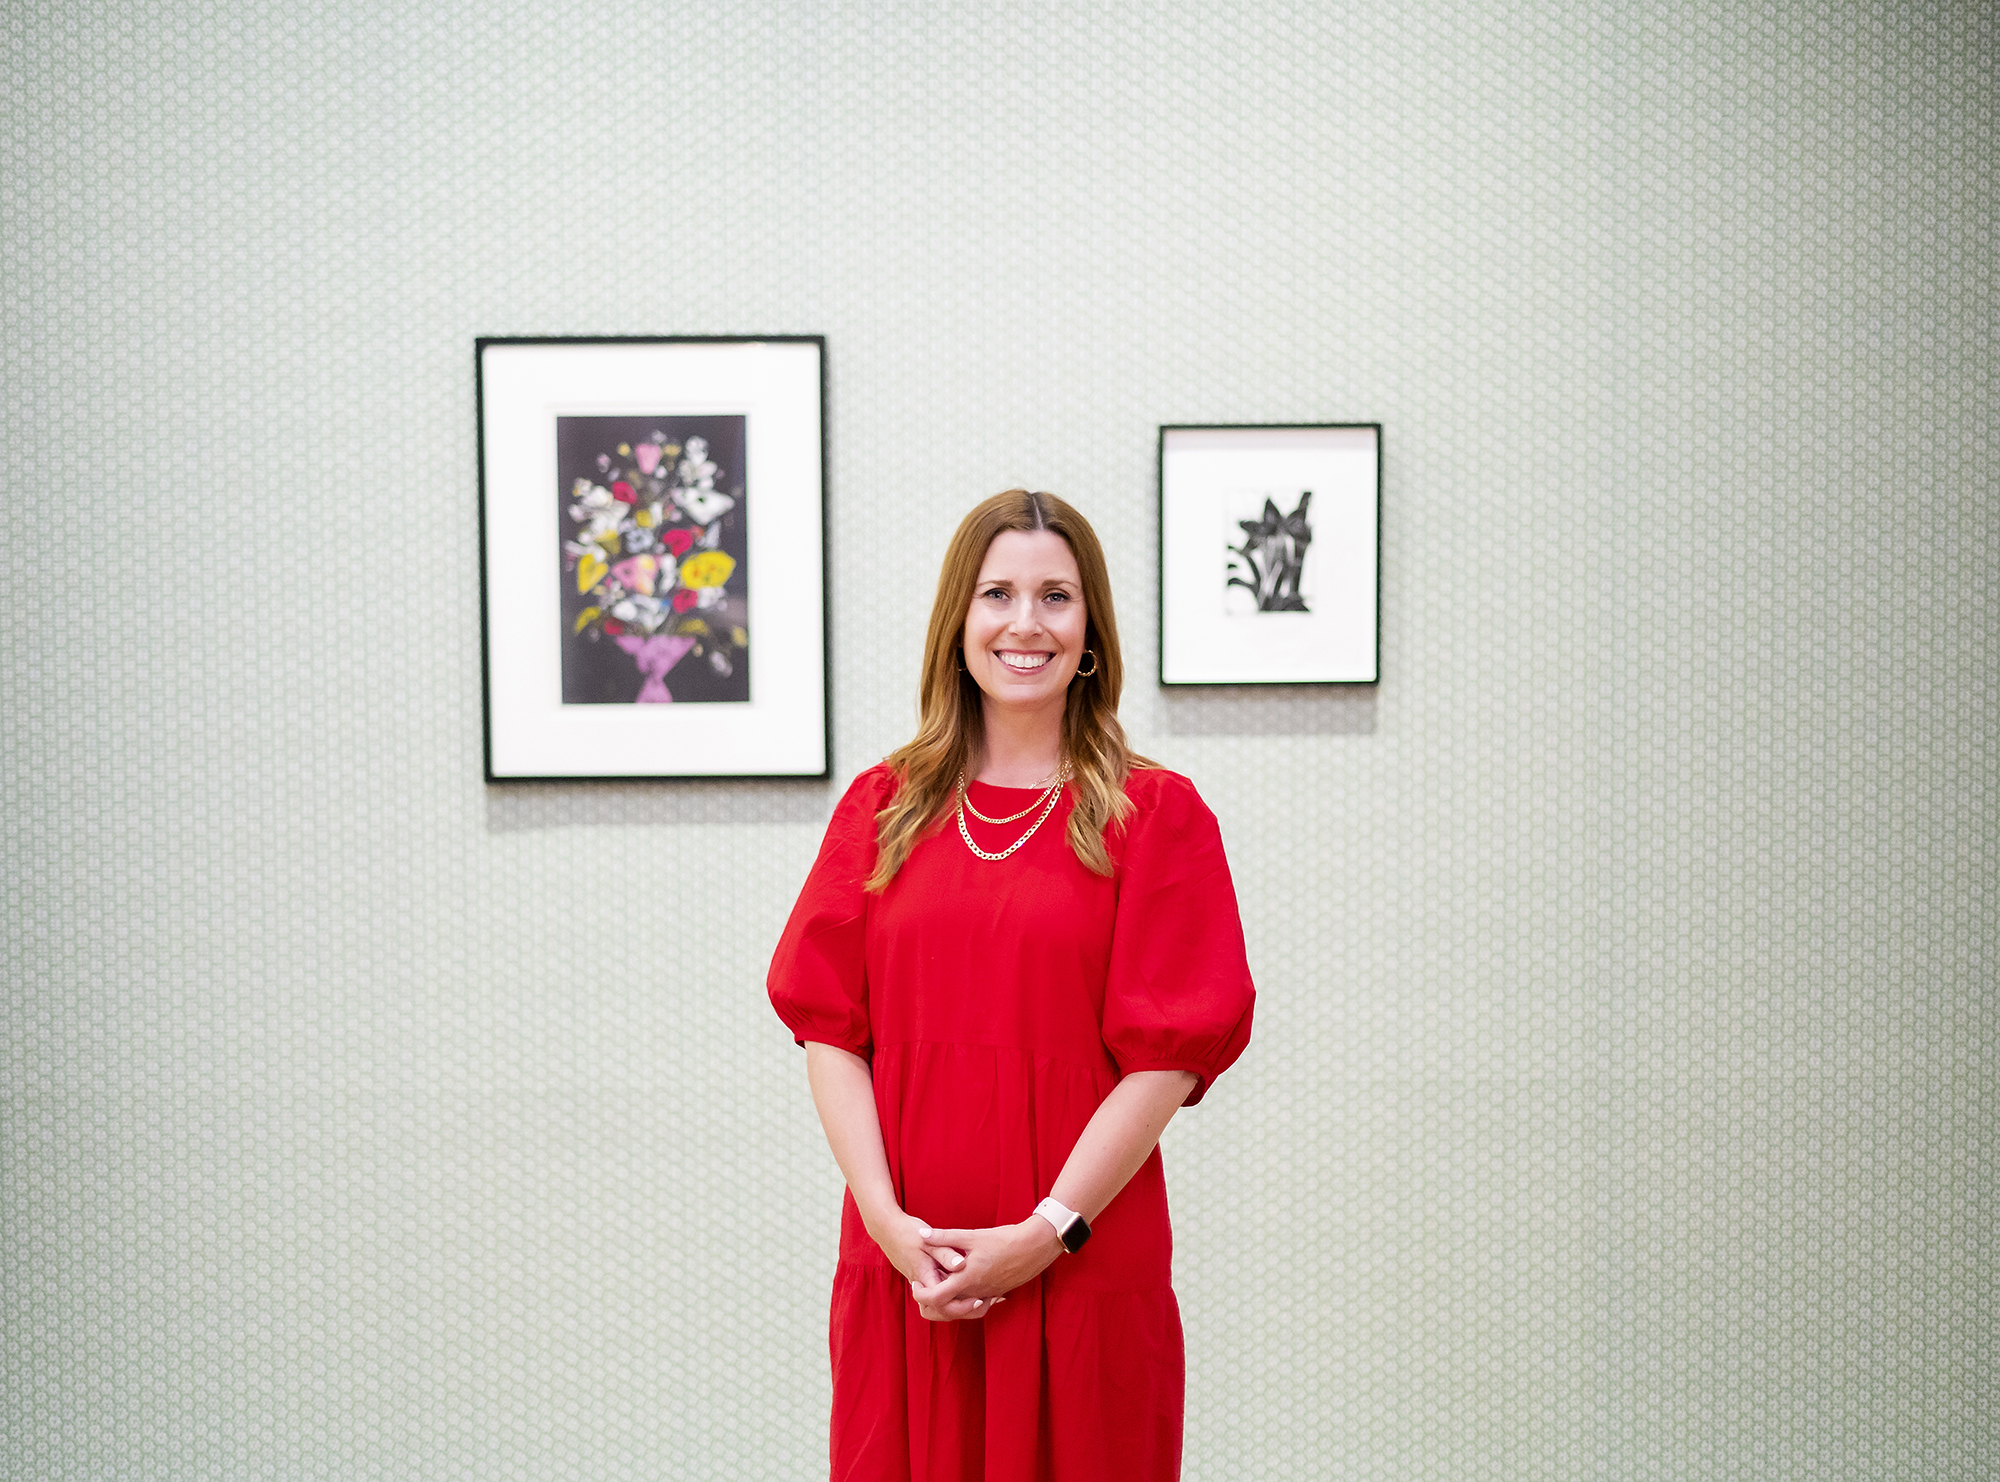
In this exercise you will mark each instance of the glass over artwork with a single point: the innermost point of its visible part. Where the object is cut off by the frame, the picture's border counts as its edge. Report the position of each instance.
(654, 560)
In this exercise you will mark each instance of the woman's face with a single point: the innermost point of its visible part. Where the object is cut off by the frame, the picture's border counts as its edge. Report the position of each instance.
(1024, 631)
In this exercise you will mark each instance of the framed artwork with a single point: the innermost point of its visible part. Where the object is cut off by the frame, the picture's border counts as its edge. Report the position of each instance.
(1270, 554)
(652, 518)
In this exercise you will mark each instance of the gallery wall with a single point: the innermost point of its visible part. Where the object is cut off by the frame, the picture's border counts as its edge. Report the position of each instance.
(1622, 1098)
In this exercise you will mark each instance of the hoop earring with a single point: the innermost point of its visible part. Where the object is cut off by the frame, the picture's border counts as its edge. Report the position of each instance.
(1086, 673)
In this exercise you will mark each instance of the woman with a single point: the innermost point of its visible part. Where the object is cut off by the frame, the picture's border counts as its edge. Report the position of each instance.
(1017, 956)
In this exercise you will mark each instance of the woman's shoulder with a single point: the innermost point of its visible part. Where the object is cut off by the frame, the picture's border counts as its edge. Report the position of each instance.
(1152, 784)
(1164, 797)
(870, 790)
(879, 778)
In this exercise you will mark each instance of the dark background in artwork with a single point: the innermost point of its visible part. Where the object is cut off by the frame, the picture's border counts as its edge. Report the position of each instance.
(595, 670)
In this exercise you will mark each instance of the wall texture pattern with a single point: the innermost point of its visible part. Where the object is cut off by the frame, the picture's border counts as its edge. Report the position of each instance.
(1623, 1103)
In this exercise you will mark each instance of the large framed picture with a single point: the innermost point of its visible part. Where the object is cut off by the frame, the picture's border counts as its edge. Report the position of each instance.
(652, 517)
(1270, 554)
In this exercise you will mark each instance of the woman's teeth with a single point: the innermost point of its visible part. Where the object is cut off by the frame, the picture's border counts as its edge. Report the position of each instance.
(1024, 661)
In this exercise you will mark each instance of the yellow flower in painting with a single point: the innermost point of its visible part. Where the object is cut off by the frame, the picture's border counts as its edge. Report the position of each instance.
(693, 625)
(643, 518)
(583, 618)
(624, 450)
(709, 569)
(738, 637)
(590, 569)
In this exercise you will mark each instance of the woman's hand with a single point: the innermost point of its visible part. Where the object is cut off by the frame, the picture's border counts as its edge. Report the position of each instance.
(1121, 1135)
(996, 1261)
(912, 1249)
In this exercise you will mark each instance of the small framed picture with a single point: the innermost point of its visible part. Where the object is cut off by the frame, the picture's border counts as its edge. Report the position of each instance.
(652, 517)
(1270, 554)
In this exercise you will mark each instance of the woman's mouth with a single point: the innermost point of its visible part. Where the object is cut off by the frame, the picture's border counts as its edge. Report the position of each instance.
(1024, 663)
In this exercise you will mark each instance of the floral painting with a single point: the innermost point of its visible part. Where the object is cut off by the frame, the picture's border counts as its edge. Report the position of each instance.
(628, 485)
(654, 574)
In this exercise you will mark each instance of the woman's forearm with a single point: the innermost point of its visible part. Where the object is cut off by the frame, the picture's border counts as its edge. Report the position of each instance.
(844, 1094)
(1121, 1135)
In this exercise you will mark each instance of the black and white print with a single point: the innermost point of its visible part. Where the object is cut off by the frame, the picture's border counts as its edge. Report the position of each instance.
(1269, 570)
(1269, 565)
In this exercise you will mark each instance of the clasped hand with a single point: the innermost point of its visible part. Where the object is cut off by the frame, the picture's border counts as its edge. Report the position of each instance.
(959, 1274)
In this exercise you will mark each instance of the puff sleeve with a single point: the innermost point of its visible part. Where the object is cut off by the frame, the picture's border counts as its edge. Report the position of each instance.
(1178, 994)
(818, 980)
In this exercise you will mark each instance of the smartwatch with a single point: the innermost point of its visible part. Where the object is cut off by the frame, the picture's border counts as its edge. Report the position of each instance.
(1071, 1228)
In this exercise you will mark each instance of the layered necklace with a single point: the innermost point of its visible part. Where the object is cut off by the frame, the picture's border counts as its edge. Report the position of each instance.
(1046, 803)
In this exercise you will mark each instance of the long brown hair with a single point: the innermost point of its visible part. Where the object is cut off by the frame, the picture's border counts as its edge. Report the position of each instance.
(952, 720)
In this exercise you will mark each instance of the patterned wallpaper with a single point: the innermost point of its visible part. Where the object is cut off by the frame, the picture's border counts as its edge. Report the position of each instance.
(1623, 1099)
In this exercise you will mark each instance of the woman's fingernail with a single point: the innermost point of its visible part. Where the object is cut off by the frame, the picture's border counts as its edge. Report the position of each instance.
(926, 1231)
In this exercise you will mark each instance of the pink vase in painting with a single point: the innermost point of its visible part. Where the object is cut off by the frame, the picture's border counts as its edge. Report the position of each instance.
(654, 656)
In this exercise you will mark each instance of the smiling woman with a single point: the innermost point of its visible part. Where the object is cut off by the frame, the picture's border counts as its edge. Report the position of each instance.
(1024, 631)
(1000, 1018)
(1024, 569)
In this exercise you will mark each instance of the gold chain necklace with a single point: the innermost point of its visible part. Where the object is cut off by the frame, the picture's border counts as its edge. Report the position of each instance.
(1062, 776)
(965, 833)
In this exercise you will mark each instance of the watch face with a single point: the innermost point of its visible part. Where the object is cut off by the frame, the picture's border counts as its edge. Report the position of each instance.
(1075, 1234)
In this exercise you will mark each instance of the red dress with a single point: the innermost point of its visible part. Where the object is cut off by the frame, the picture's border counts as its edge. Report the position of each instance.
(998, 1002)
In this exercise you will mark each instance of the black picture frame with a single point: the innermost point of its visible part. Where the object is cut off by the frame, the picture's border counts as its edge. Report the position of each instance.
(622, 558)
(1269, 610)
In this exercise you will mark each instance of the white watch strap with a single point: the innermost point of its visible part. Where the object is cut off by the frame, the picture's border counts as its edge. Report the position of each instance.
(1057, 1216)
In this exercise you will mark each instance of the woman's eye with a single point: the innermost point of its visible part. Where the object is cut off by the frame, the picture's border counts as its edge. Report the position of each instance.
(1058, 596)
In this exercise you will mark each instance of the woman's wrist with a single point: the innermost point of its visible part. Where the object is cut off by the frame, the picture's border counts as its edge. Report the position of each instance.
(878, 1217)
(1040, 1237)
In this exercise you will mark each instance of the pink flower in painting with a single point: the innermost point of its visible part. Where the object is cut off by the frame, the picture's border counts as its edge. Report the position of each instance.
(637, 573)
(683, 600)
(648, 455)
(678, 541)
(622, 492)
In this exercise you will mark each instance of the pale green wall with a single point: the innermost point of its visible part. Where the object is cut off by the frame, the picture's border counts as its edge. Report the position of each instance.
(1622, 1103)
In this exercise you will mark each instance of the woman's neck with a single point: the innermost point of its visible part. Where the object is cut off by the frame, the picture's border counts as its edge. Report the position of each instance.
(1021, 749)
